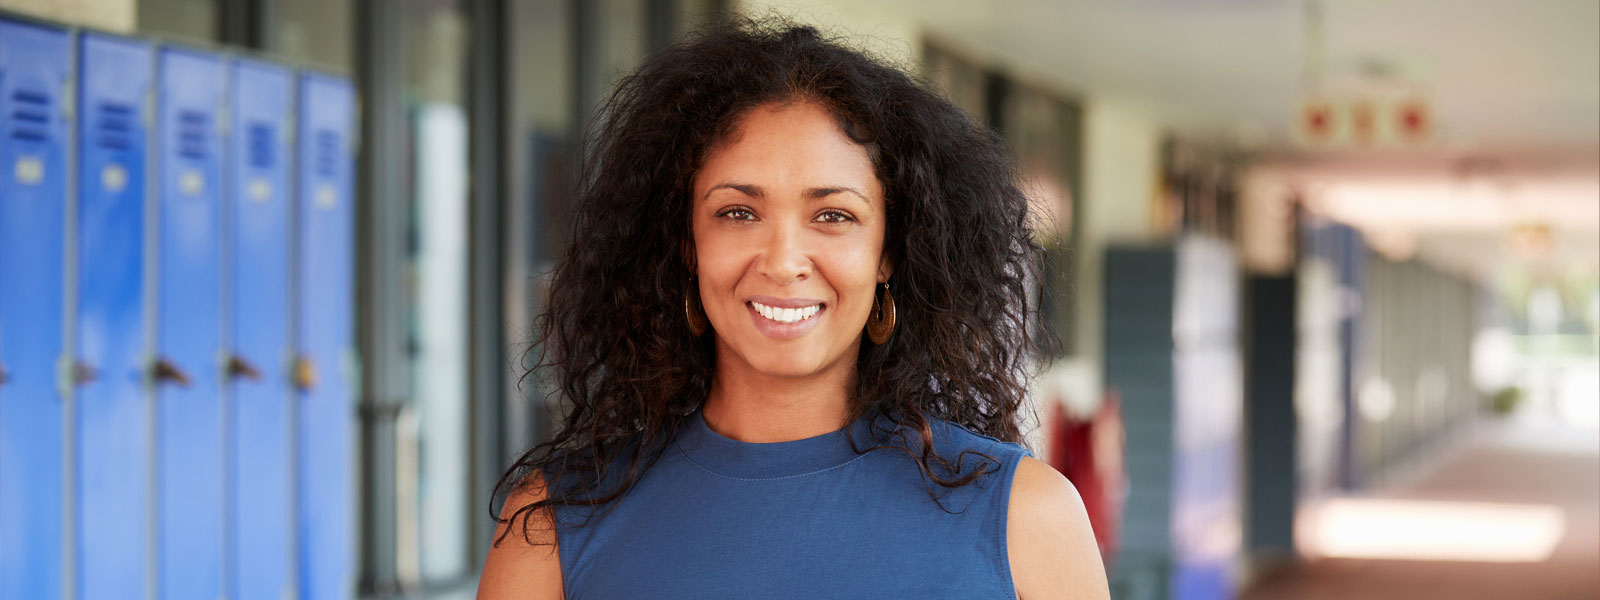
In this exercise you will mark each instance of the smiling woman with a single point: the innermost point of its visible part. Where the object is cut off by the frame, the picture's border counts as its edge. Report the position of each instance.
(834, 413)
(788, 227)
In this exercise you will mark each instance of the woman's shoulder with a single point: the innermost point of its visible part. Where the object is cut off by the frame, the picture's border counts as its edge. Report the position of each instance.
(1049, 542)
(949, 436)
(959, 453)
(524, 560)
(1047, 535)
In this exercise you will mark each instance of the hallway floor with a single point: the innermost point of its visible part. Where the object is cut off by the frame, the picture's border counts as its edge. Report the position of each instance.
(1522, 462)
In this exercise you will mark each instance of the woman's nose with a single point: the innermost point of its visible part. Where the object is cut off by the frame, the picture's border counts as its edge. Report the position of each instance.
(786, 259)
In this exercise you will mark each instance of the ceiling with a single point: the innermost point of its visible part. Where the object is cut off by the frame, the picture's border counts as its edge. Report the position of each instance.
(1485, 218)
(1514, 89)
(1502, 75)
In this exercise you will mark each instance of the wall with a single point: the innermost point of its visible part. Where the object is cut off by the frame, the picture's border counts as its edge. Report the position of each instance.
(111, 15)
(890, 32)
(1122, 153)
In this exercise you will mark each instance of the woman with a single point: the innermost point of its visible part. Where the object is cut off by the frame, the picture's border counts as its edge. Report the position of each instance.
(790, 332)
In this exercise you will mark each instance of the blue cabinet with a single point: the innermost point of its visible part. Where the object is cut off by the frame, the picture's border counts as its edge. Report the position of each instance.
(112, 410)
(176, 322)
(35, 70)
(324, 302)
(258, 430)
(189, 468)
(1172, 356)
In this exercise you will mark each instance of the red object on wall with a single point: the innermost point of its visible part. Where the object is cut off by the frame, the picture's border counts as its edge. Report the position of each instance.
(1090, 454)
(1317, 121)
(1416, 123)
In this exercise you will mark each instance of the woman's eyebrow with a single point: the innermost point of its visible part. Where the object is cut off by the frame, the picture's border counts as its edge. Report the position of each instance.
(823, 192)
(751, 190)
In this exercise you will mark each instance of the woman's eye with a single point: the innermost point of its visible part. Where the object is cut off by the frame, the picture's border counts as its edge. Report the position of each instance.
(737, 214)
(834, 216)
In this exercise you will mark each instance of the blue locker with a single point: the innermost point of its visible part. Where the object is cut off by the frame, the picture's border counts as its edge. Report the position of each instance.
(189, 467)
(111, 406)
(35, 67)
(325, 299)
(258, 424)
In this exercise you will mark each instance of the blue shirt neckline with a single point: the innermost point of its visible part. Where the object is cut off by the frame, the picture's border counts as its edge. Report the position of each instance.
(734, 459)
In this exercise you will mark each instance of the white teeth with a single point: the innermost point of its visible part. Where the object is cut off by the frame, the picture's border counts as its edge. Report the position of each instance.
(786, 315)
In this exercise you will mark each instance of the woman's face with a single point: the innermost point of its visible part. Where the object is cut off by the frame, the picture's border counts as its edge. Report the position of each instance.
(788, 228)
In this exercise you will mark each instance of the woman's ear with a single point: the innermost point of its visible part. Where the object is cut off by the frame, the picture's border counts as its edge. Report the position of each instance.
(885, 268)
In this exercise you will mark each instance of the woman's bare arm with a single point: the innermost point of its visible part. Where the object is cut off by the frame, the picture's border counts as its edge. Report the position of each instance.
(516, 568)
(1052, 548)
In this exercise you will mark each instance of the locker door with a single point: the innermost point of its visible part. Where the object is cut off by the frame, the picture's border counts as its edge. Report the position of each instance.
(325, 300)
(259, 477)
(35, 64)
(188, 393)
(111, 408)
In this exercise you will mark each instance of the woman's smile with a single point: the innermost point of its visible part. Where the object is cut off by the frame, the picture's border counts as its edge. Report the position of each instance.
(785, 319)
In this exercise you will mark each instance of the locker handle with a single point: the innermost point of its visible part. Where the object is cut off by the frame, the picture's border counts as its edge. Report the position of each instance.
(4, 376)
(165, 371)
(305, 374)
(239, 367)
(83, 374)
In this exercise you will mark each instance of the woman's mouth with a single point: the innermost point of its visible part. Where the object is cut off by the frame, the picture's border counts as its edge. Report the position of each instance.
(786, 315)
(785, 318)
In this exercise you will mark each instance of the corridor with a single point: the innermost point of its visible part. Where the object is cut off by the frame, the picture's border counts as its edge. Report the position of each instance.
(1517, 463)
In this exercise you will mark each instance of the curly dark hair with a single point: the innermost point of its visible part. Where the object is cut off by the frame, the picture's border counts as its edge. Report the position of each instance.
(614, 344)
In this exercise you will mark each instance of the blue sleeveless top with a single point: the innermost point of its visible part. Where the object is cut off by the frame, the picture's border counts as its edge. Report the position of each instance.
(811, 518)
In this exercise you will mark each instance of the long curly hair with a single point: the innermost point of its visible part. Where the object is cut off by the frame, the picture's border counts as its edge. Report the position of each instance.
(613, 342)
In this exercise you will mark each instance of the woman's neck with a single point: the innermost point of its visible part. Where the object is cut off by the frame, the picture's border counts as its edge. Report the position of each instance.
(751, 407)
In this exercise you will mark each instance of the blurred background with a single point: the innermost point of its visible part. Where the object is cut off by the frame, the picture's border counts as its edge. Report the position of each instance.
(1327, 277)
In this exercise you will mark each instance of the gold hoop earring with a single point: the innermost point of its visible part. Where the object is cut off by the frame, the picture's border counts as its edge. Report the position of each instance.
(692, 310)
(881, 324)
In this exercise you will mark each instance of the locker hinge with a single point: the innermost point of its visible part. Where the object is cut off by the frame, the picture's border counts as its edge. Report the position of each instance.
(224, 124)
(69, 98)
(350, 362)
(63, 377)
(148, 110)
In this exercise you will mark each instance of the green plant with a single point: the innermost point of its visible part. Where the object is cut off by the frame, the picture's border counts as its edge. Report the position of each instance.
(1505, 401)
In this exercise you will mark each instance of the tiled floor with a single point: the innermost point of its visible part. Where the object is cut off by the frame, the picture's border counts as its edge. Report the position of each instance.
(1523, 461)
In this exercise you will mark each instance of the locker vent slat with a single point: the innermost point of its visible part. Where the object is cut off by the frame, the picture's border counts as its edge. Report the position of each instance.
(259, 145)
(115, 126)
(327, 159)
(193, 127)
(30, 118)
